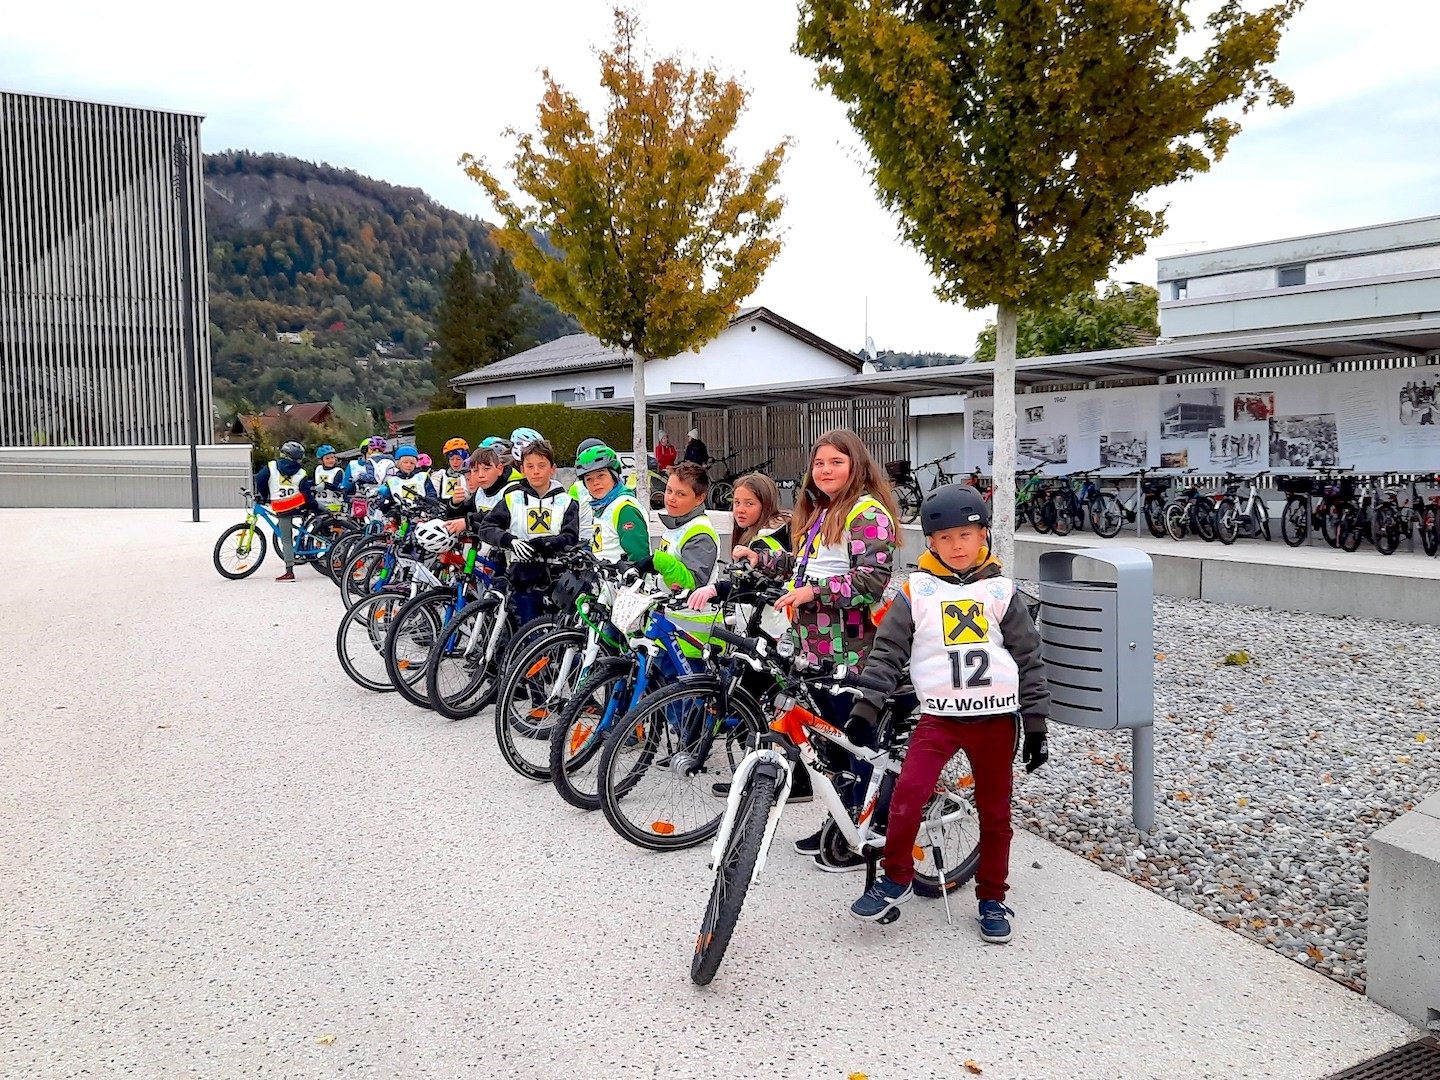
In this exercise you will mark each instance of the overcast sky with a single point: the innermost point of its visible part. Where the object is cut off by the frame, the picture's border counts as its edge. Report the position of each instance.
(398, 91)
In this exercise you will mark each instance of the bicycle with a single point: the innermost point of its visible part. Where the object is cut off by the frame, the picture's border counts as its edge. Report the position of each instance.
(722, 491)
(1398, 518)
(1316, 501)
(1249, 519)
(906, 483)
(1190, 511)
(1072, 509)
(947, 847)
(1358, 520)
(241, 549)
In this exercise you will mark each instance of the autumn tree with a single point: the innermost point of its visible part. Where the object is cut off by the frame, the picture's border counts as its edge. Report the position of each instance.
(640, 222)
(1082, 322)
(477, 324)
(1016, 140)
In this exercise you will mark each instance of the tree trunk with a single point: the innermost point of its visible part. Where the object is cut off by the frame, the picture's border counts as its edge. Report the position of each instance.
(641, 478)
(1002, 472)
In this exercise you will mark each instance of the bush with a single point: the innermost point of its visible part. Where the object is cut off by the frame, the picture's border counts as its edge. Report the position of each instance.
(564, 428)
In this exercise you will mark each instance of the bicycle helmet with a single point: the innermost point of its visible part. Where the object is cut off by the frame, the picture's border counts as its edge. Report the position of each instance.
(323, 449)
(375, 444)
(432, 536)
(587, 444)
(596, 458)
(500, 445)
(424, 461)
(451, 445)
(952, 506)
(402, 452)
(520, 439)
(293, 450)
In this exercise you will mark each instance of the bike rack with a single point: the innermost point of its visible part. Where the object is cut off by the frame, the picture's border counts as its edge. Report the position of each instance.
(1097, 639)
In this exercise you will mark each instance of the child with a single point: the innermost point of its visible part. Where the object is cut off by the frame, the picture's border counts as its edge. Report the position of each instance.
(449, 482)
(690, 546)
(330, 478)
(407, 482)
(973, 655)
(620, 530)
(501, 446)
(758, 527)
(487, 480)
(532, 520)
(283, 484)
(578, 491)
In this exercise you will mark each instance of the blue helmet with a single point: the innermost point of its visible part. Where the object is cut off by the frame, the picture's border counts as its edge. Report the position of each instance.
(323, 449)
(402, 452)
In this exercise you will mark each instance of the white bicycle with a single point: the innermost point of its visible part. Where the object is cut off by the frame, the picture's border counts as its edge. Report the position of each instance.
(947, 850)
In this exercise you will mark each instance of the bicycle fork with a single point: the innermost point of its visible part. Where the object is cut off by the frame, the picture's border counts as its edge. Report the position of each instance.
(738, 784)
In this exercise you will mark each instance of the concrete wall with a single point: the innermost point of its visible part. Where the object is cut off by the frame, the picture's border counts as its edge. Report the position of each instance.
(748, 353)
(122, 476)
(1403, 962)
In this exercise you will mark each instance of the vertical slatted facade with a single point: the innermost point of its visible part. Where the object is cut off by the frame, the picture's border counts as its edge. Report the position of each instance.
(92, 340)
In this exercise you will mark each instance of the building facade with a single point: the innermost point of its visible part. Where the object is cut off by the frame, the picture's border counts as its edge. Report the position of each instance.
(95, 347)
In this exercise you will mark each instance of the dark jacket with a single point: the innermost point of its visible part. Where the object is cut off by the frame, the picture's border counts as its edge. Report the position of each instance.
(287, 468)
(889, 657)
(494, 528)
(697, 451)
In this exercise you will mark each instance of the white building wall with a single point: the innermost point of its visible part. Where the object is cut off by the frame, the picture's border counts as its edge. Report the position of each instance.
(750, 353)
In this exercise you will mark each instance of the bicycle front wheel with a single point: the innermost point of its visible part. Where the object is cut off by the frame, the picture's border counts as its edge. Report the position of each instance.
(1295, 522)
(1387, 529)
(1106, 515)
(1057, 515)
(1155, 515)
(358, 577)
(660, 787)
(239, 551)
(360, 640)
(909, 497)
(1430, 532)
(461, 670)
(722, 495)
(1176, 521)
(534, 692)
(732, 877)
(408, 643)
(579, 734)
(1226, 521)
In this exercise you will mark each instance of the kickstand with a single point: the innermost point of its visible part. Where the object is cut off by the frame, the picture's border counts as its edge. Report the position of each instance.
(940, 873)
(872, 856)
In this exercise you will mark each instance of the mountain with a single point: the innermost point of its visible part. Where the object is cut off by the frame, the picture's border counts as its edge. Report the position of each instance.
(325, 284)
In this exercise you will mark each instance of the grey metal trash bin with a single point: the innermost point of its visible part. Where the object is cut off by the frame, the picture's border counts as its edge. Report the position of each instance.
(1097, 639)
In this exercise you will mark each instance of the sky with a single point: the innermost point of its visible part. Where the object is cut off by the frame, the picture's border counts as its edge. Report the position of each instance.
(399, 91)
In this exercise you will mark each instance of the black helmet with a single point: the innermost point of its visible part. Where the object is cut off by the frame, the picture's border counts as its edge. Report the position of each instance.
(951, 506)
(293, 450)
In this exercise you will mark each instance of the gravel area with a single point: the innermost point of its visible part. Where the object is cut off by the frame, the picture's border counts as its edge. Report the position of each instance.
(1271, 775)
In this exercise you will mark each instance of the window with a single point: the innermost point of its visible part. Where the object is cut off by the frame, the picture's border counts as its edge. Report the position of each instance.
(499, 399)
(686, 387)
(1291, 275)
(1182, 289)
(560, 397)
(604, 392)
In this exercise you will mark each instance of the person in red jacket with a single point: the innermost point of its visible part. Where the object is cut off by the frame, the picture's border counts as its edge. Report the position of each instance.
(665, 452)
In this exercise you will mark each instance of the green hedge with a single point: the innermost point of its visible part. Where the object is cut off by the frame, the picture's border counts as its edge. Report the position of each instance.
(563, 427)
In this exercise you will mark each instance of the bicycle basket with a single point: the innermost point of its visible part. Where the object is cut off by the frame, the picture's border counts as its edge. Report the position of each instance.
(631, 604)
(1295, 485)
(898, 470)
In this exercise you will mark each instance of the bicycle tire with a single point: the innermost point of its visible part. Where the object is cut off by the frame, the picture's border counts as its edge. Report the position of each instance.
(1107, 516)
(525, 635)
(1203, 514)
(459, 683)
(1057, 515)
(359, 572)
(407, 646)
(1176, 521)
(340, 553)
(1387, 529)
(1331, 520)
(525, 746)
(1295, 521)
(577, 739)
(1262, 515)
(1351, 530)
(909, 498)
(733, 876)
(366, 620)
(251, 561)
(1226, 521)
(1035, 513)
(1430, 532)
(722, 495)
(641, 730)
(1155, 515)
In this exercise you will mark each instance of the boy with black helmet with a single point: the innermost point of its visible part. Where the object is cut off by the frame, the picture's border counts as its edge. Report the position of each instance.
(962, 631)
(283, 484)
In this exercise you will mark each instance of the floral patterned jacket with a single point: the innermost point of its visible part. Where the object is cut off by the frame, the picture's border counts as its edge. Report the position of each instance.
(838, 628)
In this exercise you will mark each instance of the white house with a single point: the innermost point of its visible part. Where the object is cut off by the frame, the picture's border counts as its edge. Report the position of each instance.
(757, 347)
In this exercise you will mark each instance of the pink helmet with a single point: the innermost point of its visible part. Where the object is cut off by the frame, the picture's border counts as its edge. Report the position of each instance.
(424, 461)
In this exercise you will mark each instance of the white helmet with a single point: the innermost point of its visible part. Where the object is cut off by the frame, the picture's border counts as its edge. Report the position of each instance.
(432, 536)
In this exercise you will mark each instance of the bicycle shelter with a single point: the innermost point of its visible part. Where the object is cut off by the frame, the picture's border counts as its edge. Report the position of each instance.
(1097, 639)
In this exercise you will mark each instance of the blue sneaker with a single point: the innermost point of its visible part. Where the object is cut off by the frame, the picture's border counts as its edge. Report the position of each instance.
(994, 925)
(879, 899)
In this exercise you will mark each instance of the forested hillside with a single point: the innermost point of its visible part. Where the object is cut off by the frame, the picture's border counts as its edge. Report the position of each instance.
(325, 284)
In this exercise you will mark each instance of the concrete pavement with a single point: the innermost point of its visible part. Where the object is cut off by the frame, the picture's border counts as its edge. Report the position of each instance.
(216, 853)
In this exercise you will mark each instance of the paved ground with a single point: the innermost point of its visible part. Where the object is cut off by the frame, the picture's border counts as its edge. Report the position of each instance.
(216, 854)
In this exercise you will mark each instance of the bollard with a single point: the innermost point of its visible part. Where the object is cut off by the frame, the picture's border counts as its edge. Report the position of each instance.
(1097, 639)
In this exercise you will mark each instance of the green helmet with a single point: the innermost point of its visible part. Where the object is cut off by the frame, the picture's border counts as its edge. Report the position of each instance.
(596, 458)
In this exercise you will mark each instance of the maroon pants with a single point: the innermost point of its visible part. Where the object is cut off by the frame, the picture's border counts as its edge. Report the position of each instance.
(989, 743)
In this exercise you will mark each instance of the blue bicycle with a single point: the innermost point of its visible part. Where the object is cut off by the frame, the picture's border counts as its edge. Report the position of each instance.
(241, 548)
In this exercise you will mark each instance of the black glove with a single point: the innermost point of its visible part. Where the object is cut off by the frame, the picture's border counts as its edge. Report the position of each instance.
(1036, 752)
(645, 565)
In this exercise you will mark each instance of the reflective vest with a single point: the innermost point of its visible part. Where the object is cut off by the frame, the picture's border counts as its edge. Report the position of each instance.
(582, 500)
(484, 502)
(401, 486)
(447, 484)
(605, 538)
(958, 662)
(674, 540)
(329, 478)
(534, 515)
(834, 559)
(285, 494)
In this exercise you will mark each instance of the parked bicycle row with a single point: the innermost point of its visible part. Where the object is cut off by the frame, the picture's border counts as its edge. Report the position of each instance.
(689, 703)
